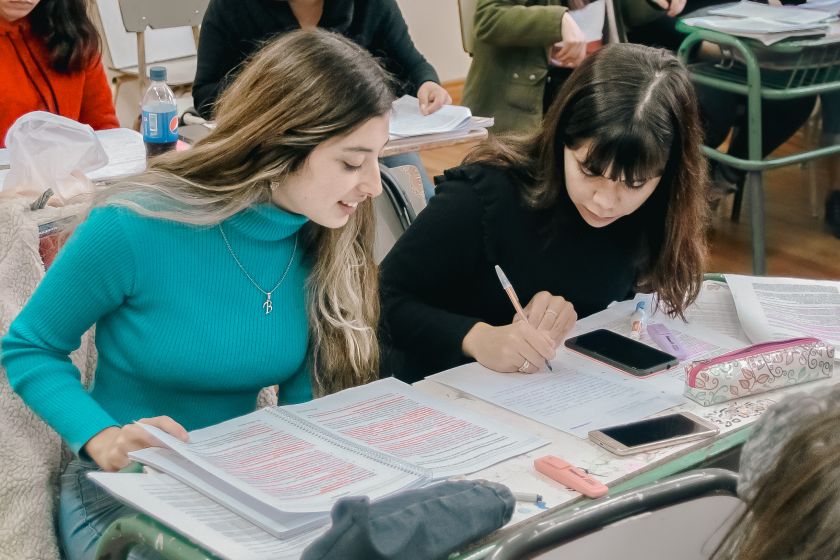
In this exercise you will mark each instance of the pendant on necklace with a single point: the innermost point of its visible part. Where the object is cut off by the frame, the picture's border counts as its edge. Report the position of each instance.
(267, 305)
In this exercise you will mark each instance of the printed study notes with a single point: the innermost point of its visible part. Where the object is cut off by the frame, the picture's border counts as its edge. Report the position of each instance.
(281, 469)
(780, 308)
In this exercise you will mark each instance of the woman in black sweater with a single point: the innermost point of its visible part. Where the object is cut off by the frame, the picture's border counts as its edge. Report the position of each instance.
(233, 30)
(606, 199)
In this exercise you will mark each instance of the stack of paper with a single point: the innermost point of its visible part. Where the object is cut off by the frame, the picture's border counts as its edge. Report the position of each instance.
(279, 471)
(768, 24)
(407, 120)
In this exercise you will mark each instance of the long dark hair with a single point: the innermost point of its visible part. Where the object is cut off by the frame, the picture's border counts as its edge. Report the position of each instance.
(70, 36)
(636, 106)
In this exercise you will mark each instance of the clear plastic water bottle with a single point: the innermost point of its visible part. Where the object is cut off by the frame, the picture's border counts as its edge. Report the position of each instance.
(160, 115)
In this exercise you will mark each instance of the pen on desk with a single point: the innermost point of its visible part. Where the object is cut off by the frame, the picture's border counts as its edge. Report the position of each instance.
(530, 497)
(508, 288)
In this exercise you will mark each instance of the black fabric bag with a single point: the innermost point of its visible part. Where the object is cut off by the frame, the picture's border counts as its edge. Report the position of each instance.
(420, 524)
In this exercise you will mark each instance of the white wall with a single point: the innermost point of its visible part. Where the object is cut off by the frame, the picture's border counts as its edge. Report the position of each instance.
(436, 31)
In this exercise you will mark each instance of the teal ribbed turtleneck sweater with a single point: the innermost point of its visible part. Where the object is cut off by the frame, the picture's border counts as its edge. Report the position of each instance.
(180, 329)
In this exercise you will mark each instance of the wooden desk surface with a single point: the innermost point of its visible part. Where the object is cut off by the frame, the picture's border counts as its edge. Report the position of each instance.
(432, 141)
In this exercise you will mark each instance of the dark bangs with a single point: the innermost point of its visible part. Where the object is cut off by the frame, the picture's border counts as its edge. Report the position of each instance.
(623, 147)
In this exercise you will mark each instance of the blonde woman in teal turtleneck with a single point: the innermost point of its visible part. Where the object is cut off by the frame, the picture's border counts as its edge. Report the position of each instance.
(243, 263)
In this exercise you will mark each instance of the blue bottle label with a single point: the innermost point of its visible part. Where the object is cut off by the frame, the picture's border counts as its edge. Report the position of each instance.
(160, 128)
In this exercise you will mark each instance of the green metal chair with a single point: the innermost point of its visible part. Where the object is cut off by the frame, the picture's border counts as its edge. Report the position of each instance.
(783, 71)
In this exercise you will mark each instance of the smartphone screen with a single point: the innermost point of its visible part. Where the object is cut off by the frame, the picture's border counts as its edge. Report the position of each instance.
(654, 429)
(625, 353)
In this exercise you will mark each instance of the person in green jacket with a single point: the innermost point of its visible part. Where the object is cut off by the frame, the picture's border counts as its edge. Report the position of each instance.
(518, 64)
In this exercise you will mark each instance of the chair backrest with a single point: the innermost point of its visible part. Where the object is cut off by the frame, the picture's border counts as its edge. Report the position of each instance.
(685, 517)
(139, 15)
(466, 14)
(397, 207)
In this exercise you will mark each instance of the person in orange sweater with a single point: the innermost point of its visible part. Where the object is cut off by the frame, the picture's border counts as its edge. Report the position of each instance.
(50, 61)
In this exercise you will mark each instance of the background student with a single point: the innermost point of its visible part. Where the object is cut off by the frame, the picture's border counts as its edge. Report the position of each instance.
(724, 112)
(243, 263)
(516, 69)
(50, 61)
(607, 198)
(790, 480)
(233, 29)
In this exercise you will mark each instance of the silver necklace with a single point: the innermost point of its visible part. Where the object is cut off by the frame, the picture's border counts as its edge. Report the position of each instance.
(267, 305)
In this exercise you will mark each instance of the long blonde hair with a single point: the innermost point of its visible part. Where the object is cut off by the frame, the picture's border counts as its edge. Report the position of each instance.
(297, 92)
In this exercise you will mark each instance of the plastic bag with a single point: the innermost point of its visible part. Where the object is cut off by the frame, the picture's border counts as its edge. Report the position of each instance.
(48, 151)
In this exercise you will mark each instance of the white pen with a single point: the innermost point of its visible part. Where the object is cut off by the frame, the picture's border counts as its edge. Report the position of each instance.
(530, 497)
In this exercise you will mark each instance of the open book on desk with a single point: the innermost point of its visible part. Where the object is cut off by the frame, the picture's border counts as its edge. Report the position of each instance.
(283, 468)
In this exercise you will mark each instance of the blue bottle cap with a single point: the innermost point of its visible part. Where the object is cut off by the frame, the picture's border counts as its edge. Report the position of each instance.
(640, 306)
(157, 73)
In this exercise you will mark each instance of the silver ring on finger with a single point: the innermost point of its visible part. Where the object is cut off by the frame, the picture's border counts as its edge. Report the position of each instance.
(525, 366)
(552, 312)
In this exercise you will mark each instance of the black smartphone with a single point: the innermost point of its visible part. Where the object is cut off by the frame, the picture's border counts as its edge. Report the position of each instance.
(653, 433)
(621, 352)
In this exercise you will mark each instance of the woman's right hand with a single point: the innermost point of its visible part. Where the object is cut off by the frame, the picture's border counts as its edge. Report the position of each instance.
(571, 51)
(109, 448)
(507, 349)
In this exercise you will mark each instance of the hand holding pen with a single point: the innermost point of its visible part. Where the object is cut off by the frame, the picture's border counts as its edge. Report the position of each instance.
(519, 346)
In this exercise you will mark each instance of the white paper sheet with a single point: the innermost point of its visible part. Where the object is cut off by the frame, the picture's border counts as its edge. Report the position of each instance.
(715, 310)
(126, 154)
(782, 14)
(407, 120)
(780, 308)
(390, 416)
(199, 518)
(574, 398)
(766, 31)
(590, 19)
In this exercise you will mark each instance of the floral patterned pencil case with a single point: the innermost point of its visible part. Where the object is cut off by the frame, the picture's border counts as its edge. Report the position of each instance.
(759, 368)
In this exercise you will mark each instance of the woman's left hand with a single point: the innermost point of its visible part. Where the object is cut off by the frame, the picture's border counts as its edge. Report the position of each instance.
(432, 97)
(551, 314)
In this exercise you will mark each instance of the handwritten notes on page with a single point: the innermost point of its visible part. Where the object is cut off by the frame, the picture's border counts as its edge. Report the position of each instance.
(583, 394)
(572, 398)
